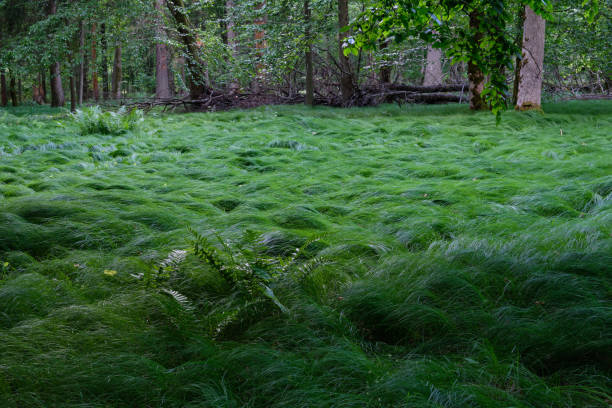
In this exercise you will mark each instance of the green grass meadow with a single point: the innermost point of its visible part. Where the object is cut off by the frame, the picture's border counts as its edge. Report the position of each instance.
(463, 264)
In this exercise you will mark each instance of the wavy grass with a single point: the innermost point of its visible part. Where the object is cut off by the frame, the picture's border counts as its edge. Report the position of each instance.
(467, 264)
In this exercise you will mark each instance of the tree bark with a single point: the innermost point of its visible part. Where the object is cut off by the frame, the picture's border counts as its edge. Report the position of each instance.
(94, 65)
(195, 67)
(433, 67)
(531, 67)
(347, 80)
(13, 90)
(162, 73)
(519, 43)
(117, 73)
(3, 90)
(385, 70)
(231, 39)
(57, 92)
(19, 91)
(475, 75)
(82, 62)
(309, 100)
(73, 93)
(105, 89)
(43, 85)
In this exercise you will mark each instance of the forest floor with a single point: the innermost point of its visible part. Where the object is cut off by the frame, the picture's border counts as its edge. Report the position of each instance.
(464, 264)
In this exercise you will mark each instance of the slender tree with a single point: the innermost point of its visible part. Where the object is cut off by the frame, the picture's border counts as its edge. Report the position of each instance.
(3, 90)
(309, 100)
(231, 39)
(104, 62)
(57, 91)
(117, 74)
(476, 77)
(162, 73)
(347, 80)
(94, 66)
(82, 61)
(531, 66)
(13, 90)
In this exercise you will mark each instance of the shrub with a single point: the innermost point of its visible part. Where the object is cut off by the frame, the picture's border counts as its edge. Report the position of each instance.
(93, 120)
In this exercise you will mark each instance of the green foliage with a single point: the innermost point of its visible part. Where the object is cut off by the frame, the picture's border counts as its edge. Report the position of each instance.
(465, 264)
(93, 120)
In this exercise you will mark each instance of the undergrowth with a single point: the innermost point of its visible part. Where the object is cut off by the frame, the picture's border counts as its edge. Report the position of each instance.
(443, 261)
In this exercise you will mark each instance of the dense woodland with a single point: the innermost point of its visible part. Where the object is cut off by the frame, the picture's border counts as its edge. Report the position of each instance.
(494, 53)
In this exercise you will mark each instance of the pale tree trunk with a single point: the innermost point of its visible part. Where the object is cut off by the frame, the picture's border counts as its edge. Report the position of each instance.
(433, 67)
(231, 39)
(195, 66)
(529, 95)
(57, 92)
(309, 100)
(82, 62)
(347, 81)
(162, 73)
(3, 90)
(475, 76)
(117, 73)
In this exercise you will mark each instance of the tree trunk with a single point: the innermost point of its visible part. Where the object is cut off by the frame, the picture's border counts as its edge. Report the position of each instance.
(73, 93)
(117, 73)
(82, 62)
(347, 82)
(13, 91)
(231, 39)
(94, 65)
(309, 100)
(518, 42)
(162, 74)
(385, 70)
(433, 67)
(531, 67)
(19, 91)
(57, 91)
(43, 85)
(195, 67)
(260, 46)
(3, 90)
(475, 75)
(105, 89)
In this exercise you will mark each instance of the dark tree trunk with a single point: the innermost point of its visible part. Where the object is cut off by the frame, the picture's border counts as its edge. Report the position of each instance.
(73, 93)
(57, 91)
(43, 85)
(475, 75)
(105, 89)
(196, 76)
(385, 70)
(19, 91)
(117, 73)
(347, 80)
(3, 90)
(82, 62)
(309, 100)
(231, 39)
(94, 66)
(13, 91)
(162, 73)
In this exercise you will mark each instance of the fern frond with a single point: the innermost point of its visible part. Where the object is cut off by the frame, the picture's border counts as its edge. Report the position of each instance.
(181, 299)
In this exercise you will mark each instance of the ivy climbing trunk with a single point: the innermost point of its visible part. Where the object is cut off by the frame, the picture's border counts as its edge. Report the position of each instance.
(475, 76)
(309, 100)
(162, 73)
(433, 67)
(531, 67)
(13, 91)
(196, 78)
(117, 73)
(347, 80)
(385, 69)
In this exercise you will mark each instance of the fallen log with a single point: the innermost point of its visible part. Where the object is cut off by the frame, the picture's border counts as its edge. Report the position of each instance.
(428, 89)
